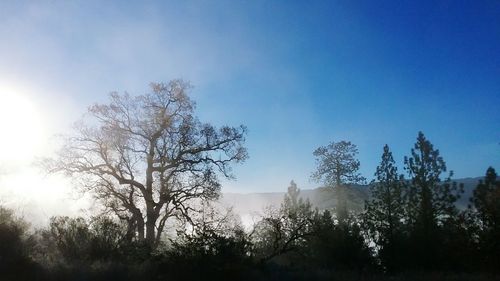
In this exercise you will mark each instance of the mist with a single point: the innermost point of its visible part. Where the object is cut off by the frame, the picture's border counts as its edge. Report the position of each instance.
(189, 140)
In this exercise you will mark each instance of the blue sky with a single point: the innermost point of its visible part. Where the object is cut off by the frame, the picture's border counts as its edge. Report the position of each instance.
(298, 74)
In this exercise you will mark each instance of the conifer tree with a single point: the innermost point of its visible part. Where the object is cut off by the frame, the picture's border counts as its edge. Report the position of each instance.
(431, 201)
(486, 200)
(337, 167)
(384, 213)
(486, 213)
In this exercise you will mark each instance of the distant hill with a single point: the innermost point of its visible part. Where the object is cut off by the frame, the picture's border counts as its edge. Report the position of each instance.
(253, 204)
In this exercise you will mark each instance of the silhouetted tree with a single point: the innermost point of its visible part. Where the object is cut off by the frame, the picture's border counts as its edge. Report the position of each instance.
(337, 167)
(72, 237)
(80, 241)
(486, 200)
(431, 202)
(15, 263)
(148, 158)
(283, 231)
(335, 245)
(215, 244)
(486, 215)
(385, 211)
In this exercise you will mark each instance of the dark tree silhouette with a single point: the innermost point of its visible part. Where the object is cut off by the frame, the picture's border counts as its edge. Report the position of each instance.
(385, 211)
(79, 241)
(486, 214)
(15, 262)
(148, 158)
(337, 167)
(431, 202)
(337, 245)
(216, 244)
(486, 200)
(283, 231)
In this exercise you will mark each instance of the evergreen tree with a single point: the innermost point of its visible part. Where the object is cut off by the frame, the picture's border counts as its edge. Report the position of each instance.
(431, 202)
(486, 212)
(337, 167)
(337, 245)
(486, 200)
(384, 213)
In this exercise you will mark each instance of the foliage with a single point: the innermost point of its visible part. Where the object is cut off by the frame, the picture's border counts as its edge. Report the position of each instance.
(411, 229)
(337, 167)
(15, 244)
(215, 244)
(431, 204)
(385, 212)
(485, 214)
(147, 158)
(337, 164)
(338, 245)
(284, 231)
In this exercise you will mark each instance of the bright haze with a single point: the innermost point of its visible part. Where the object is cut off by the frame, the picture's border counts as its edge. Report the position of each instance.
(298, 74)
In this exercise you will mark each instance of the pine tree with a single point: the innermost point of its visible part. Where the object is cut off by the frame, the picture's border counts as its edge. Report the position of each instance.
(486, 200)
(486, 213)
(431, 202)
(337, 167)
(384, 213)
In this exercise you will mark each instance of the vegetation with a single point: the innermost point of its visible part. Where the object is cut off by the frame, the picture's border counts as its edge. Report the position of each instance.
(337, 168)
(154, 168)
(148, 158)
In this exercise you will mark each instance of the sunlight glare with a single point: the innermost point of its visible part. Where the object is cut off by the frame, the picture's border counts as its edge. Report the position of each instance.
(21, 128)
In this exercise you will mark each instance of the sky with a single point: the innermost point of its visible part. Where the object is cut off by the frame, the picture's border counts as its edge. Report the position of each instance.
(298, 74)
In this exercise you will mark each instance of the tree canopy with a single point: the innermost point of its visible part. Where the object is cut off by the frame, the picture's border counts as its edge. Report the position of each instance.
(337, 164)
(337, 167)
(147, 158)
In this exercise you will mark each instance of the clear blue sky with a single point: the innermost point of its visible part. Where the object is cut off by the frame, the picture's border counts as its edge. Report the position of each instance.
(298, 74)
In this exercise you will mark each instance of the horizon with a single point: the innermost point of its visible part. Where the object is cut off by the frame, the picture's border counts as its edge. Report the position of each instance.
(297, 75)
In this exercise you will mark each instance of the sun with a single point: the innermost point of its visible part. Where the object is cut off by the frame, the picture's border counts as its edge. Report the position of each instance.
(21, 128)
(24, 136)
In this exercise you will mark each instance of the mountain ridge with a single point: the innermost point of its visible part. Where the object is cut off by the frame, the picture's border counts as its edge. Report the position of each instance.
(252, 204)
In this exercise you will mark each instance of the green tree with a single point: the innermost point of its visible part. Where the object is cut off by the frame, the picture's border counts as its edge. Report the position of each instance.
(385, 211)
(337, 167)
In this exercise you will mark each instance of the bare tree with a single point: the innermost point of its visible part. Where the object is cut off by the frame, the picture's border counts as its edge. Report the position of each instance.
(148, 158)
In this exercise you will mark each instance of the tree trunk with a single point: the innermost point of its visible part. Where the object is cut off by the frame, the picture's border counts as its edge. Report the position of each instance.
(140, 229)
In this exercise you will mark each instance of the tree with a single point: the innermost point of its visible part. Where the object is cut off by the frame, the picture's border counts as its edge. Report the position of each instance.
(15, 248)
(431, 202)
(79, 241)
(284, 231)
(435, 199)
(148, 158)
(337, 246)
(384, 213)
(216, 245)
(486, 200)
(337, 167)
(486, 217)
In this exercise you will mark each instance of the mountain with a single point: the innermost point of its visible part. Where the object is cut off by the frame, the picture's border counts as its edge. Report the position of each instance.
(251, 205)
